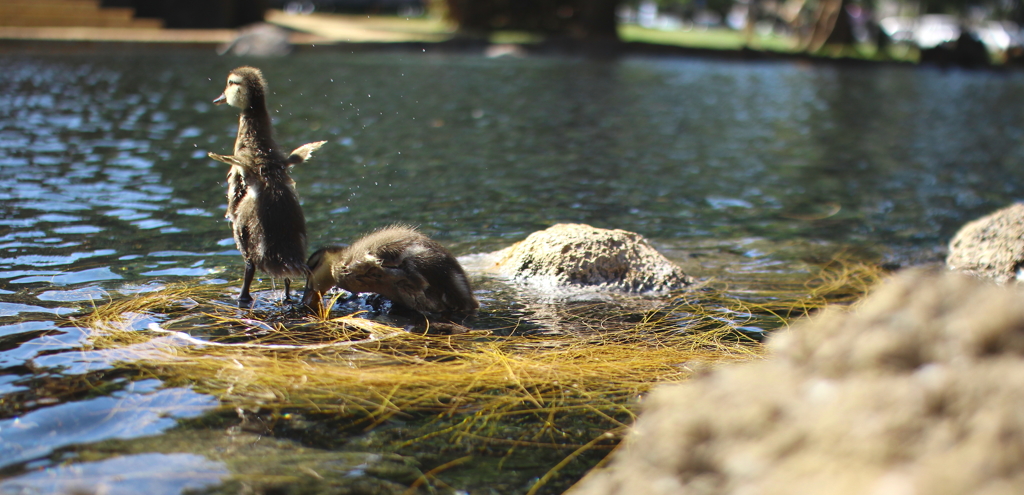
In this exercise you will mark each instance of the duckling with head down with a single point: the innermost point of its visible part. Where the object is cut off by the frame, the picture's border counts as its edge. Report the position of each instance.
(398, 263)
(263, 206)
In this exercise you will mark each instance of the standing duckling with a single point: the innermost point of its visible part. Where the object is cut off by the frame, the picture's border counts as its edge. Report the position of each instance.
(263, 207)
(398, 263)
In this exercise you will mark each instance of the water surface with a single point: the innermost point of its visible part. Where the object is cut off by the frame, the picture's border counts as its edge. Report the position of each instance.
(731, 169)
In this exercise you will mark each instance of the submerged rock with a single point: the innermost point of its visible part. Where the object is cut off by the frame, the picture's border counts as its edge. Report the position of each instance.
(258, 40)
(992, 246)
(917, 391)
(578, 255)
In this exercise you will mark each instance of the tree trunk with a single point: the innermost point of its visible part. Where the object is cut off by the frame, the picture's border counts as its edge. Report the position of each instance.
(832, 25)
(597, 19)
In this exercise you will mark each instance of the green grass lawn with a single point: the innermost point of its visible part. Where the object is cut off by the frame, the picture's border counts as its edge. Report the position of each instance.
(434, 28)
(727, 39)
(715, 38)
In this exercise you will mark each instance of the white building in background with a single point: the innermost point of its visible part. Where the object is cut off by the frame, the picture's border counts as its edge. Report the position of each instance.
(647, 14)
(929, 31)
(1001, 35)
(902, 22)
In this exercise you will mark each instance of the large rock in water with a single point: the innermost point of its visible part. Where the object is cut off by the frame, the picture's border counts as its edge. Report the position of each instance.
(578, 255)
(918, 391)
(992, 246)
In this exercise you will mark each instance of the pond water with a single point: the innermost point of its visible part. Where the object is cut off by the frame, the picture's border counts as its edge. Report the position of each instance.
(731, 169)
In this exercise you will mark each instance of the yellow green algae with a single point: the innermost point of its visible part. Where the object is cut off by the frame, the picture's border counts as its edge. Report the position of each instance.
(482, 399)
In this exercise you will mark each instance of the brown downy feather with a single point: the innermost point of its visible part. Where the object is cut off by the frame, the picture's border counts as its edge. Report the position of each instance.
(399, 263)
(266, 219)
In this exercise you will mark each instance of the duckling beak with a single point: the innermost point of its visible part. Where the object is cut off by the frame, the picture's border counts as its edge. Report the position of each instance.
(309, 296)
(220, 99)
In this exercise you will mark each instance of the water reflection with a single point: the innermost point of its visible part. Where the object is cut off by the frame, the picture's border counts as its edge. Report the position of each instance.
(138, 410)
(15, 309)
(129, 475)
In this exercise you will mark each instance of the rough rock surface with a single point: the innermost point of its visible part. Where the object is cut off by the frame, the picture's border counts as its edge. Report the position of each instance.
(578, 255)
(992, 246)
(917, 391)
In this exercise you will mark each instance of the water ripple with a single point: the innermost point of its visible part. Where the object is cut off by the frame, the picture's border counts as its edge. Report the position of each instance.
(126, 414)
(151, 473)
(15, 309)
(67, 278)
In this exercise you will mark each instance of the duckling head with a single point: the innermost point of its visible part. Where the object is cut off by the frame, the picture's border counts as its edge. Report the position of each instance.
(246, 89)
(321, 273)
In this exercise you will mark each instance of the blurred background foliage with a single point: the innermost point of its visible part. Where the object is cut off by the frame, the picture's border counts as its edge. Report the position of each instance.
(956, 30)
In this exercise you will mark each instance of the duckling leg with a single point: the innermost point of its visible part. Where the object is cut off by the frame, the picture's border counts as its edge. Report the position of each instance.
(287, 289)
(250, 270)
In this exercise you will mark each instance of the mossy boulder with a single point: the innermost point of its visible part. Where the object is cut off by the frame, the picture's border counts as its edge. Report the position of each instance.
(578, 255)
(992, 246)
(917, 391)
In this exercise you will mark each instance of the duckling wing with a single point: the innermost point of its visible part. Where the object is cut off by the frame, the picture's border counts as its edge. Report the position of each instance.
(409, 288)
(229, 159)
(449, 290)
(303, 153)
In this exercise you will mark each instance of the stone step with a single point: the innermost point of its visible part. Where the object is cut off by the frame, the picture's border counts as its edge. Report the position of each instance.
(66, 13)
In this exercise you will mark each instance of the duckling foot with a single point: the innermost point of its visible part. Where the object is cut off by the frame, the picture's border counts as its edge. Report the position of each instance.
(245, 299)
(287, 290)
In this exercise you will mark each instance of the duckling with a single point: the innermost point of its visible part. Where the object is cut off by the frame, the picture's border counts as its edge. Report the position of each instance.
(263, 206)
(399, 263)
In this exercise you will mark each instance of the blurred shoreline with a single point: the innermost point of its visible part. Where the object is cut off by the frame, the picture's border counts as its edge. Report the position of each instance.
(325, 33)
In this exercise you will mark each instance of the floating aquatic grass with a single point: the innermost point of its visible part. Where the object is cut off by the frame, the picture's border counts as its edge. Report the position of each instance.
(573, 390)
